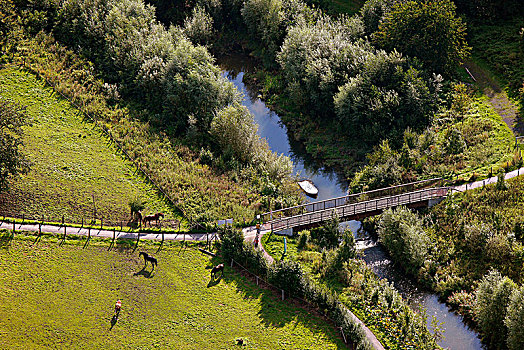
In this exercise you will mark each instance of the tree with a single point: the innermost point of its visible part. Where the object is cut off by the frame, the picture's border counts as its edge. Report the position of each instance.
(199, 27)
(492, 299)
(235, 131)
(318, 58)
(402, 233)
(386, 96)
(515, 319)
(12, 161)
(8, 20)
(428, 30)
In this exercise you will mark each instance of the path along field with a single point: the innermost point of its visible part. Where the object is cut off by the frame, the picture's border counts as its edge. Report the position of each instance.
(75, 171)
(54, 296)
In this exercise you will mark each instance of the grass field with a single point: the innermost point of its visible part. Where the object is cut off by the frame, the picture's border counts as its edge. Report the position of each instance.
(75, 171)
(54, 296)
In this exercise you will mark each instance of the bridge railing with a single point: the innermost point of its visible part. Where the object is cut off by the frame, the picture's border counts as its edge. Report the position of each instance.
(348, 199)
(357, 208)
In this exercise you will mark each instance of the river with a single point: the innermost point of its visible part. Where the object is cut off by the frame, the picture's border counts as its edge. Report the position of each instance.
(457, 334)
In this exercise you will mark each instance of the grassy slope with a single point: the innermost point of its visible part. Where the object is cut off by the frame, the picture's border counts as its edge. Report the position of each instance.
(63, 297)
(383, 322)
(72, 161)
(201, 192)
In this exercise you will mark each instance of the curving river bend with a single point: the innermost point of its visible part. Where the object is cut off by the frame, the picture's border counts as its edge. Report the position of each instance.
(457, 334)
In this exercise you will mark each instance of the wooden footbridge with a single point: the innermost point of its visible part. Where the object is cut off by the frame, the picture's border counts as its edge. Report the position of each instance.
(356, 206)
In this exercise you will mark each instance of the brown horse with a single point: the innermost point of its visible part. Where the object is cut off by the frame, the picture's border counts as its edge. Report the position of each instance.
(149, 218)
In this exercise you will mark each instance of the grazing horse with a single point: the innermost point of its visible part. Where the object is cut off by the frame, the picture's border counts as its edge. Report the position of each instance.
(149, 218)
(150, 258)
(214, 270)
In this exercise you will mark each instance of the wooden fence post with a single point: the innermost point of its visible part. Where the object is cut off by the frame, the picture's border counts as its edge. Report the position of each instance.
(62, 220)
(282, 294)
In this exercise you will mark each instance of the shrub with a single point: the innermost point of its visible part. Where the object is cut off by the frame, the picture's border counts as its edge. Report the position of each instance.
(199, 27)
(515, 319)
(289, 276)
(303, 239)
(491, 300)
(501, 181)
(231, 242)
(402, 233)
(12, 160)
(329, 235)
(387, 95)
(439, 39)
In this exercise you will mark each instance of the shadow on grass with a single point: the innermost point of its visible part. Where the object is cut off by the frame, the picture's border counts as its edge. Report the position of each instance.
(145, 273)
(114, 320)
(274, 312)
(5, 240)
(214, 281)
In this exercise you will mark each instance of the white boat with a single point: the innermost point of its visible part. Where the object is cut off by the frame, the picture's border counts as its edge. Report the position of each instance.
(309, 187)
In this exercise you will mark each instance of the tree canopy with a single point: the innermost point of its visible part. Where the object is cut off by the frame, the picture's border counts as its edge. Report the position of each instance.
(428, 30)
(12, 160)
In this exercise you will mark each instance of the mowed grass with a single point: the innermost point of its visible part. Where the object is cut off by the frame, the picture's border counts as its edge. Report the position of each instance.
(54, 296)
(76, 172)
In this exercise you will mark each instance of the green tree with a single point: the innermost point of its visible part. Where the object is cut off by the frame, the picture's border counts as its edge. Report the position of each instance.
(515, 319)
(402, 233)
(428, 30)
(385, 97)
(12, 161)
(199, 27)
(492, 298)
(8, 20)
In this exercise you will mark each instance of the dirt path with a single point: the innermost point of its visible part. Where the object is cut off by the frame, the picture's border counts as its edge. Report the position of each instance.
(497, 97)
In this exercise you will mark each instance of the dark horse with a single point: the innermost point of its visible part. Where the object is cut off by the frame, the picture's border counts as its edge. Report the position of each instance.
(150, 258)
(149, 218)
(214, 270)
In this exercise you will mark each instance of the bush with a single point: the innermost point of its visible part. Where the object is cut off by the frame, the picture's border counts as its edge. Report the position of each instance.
(428, 30)
(515, 319)
(491, 300)
(329, 235)
(289, 276)
(12, 160)
(501, 181)
(402, 233)
(303, 239)
(386, 96)
(231, 242)
(199, 27)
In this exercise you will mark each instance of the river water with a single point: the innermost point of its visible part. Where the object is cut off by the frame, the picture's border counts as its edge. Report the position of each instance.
(457, 334)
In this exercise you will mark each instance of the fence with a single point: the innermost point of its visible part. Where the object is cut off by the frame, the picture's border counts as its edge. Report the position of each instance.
(98, 223)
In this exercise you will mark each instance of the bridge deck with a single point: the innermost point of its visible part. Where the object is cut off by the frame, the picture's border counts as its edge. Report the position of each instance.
(357, 209)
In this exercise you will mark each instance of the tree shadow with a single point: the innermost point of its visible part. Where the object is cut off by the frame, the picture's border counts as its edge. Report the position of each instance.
(273, 311)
